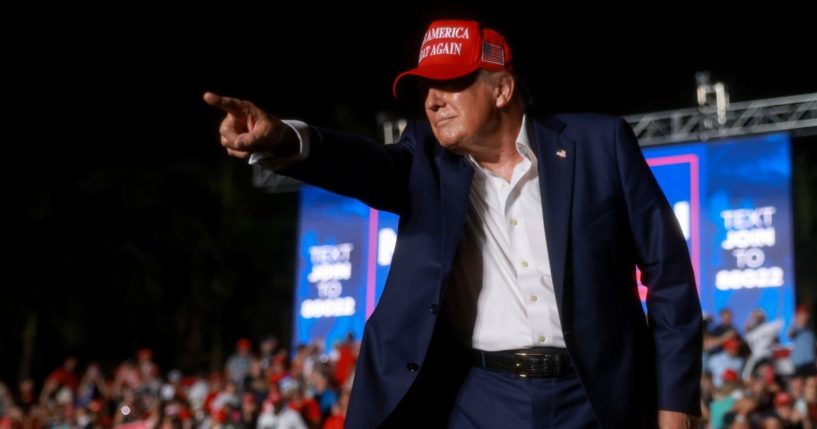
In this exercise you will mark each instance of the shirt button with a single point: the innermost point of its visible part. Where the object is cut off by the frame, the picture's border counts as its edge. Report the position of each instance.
(533, 298)
(541, 338)
(514, 222)
(524, 264)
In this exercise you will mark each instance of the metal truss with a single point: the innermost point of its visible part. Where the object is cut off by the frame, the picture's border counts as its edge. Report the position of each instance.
(797, 112)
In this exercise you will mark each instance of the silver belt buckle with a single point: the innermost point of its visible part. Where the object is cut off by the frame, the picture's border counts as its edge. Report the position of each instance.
(546, 358)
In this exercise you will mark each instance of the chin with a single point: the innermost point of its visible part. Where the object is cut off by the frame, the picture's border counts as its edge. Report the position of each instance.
(453, 146)
(448, 141)
(458, 149)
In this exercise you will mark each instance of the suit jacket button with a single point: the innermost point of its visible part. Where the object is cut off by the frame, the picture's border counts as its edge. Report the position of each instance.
(567, 332)
(412, 367)
(435, 308)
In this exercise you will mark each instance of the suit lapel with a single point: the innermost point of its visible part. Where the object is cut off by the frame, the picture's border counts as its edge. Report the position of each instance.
(556, 160)
(455, 185)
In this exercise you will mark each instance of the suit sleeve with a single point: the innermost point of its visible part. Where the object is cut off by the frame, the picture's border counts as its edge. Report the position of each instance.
(357, 167)
(673, 307)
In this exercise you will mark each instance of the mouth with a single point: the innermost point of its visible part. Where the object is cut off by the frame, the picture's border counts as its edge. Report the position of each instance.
(443, 121)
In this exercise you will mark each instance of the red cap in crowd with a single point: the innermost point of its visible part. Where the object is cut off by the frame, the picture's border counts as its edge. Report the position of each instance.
(452, 49)
(729, 375)
(243, 344)
(731, 344)
(782, 398)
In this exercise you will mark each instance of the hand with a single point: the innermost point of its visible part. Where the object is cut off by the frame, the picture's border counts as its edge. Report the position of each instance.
(247, 129)
(675, 420)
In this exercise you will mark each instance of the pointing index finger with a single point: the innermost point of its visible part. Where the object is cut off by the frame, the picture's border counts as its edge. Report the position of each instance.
(228, 104)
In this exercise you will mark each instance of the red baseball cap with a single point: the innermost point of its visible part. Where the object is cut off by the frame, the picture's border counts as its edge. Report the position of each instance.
(455, 48)
(243, 344)
(732, 344)
(729, 374)
(782, 398)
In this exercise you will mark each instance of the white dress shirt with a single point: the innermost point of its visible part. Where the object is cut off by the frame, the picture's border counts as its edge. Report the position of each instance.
(502, 268)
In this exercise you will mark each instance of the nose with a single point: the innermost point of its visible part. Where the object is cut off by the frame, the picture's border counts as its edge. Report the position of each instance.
(434, 99)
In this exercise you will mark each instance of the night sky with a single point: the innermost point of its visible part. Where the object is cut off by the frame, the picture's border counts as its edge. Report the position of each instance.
(107, 138)
(132, 83)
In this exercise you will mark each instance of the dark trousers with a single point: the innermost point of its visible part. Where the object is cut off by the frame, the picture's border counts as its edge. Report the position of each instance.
(488, 399)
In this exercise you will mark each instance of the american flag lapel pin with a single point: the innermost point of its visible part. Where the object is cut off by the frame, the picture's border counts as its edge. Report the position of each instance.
(561, 153)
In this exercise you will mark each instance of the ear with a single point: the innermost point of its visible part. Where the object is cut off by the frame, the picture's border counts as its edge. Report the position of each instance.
(505, 89)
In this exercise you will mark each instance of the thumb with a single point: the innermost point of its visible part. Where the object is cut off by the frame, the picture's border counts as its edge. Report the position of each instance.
(249, 140)
(259, 136)
(245, 140)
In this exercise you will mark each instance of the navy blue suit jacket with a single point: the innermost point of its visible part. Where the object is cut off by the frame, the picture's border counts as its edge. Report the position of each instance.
(603, 214)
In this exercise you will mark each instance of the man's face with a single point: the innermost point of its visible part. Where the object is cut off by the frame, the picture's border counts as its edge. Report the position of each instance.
(726, 317)
(801, 318)
(461, 111)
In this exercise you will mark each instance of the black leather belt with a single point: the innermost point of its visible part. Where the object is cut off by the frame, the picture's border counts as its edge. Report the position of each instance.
(540, 362)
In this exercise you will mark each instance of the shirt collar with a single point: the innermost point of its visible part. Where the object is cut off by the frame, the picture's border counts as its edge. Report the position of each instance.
(523, 141)
(522, 146)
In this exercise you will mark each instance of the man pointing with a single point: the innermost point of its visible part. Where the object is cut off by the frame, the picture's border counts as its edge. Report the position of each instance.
(511, 300)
